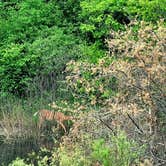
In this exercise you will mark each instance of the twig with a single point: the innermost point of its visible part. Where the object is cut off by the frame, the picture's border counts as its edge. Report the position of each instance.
(107, 126)
(135, 123)
(155, 157)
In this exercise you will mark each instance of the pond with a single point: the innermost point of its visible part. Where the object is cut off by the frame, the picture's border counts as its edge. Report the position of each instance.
(20, 147)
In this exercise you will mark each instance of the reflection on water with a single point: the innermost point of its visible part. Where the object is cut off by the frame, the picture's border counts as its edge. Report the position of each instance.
(11, 149)
(22, 146)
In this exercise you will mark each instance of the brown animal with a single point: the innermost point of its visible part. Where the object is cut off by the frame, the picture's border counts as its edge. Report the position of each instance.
(59, 117)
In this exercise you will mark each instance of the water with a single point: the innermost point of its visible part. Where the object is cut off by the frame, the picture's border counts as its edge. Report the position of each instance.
(20, 147)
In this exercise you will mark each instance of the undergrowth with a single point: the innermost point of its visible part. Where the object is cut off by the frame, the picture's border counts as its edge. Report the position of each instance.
(118, 105)
(53, 56)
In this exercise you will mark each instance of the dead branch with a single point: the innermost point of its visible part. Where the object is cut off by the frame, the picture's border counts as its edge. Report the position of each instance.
(135, 123)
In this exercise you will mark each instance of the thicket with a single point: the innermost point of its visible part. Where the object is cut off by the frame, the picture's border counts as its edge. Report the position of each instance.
(32, 44)
(23, 24)
(104, 60)
(118, 152)
(97, 17)
(137, 108)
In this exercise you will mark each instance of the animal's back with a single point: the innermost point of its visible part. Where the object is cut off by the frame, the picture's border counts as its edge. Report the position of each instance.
(59, 116)
(46, 114)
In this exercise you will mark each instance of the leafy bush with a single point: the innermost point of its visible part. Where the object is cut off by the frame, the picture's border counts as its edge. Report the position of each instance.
(54, 51)
(13, 67)
(19, 64)
(121, 152)
(98, 17)
(141, 76)
(26, 19)
(71, 9)
(27, 25)
(138, 69)
(153, 10)
(145, 62)
(28, 33)
(91, 53)
(118, 152)
(18, 162)
(92, 82)
(78, 157)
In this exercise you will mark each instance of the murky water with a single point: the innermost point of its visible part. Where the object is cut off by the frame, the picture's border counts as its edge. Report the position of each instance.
(15, 147)
(10, 149)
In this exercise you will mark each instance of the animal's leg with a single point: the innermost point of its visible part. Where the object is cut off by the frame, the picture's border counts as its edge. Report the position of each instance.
(40, 123)
(63, 126)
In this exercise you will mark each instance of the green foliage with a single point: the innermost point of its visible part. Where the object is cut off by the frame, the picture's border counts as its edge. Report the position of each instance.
(127, 150)
(117, 151)
(101, 152)
(98, 17)
(19, 162)
(31, 44)
(92, 53)
(120, 152)
(71, 9)
(92, 83)
(13, 66)
(30, 38)
(26, 19)
(54, 51)
(19, 63)
(147, 10)
(76, 158)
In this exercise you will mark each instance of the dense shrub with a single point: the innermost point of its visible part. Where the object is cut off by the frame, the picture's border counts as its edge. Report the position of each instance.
(142, 79)
(13, 67)
(45, 57)
(97, 17)
(70, 10)
(31, 44)
(118, 151)
(26, 24)
(92, 82)
(24, 20)
(121, 151)
(92, 53)
(143, 52)
(138, 69)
